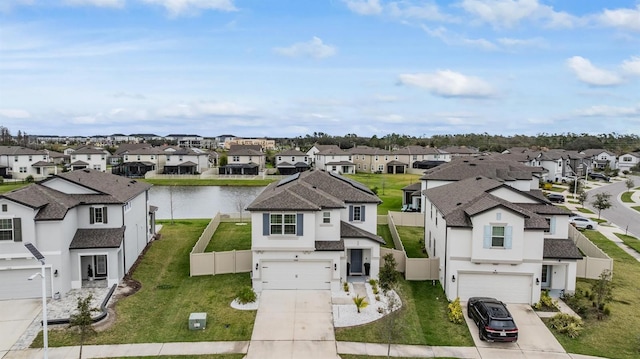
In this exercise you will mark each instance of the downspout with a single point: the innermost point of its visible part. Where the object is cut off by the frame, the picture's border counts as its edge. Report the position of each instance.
(446, 247)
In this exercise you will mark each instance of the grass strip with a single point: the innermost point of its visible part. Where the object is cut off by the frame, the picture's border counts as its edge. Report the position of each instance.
(413, 241)
(585, 210)
(630, 241)
(230, 236)
(384, 232)
(388, 187)
(626, 197)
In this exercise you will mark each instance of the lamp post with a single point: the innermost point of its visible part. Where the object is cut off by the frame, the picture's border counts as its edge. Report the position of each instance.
(36, 253)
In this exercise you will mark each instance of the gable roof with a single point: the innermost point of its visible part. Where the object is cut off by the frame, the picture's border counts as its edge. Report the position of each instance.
(19, 150)
(85, 238)
(350, 231)
(291, 152)
(560, 248)
(312, 191)
(460, 169)
(120, 188)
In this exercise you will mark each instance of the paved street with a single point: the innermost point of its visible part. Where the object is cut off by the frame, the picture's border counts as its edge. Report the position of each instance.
(619, 213)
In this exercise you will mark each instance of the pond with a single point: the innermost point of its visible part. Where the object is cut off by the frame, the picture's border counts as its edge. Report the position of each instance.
(200, 201)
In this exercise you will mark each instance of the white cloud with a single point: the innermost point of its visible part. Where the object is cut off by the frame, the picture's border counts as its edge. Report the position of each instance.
(314, 48)
(181, 7)
(450, 38)
(204, 108)
(586, 72)
(447, 83)
(14, 113)
(513, 43)
(610, 111)
(7, 5)
(621, 18)
(364, 7)
(631, 66)
(99, 3)
(425, 11)
(135, 96)
(507, 13)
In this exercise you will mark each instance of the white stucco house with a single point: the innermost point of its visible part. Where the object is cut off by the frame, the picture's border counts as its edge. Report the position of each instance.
(19, 162)
(88, 157)
(291, 161)
(628, 160)
(313, 230)
(78, 220)
(498, 241)
(332, 158)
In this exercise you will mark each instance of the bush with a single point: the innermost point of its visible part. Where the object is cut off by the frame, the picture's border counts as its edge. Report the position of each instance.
(546, 302)
(246, 295)
(29, 179)
(345, 286)
(455, 312)
(566, 324)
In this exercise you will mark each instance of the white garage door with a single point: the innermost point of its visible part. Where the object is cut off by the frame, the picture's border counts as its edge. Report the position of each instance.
(296, 275)
(505, 287)
(14, 284)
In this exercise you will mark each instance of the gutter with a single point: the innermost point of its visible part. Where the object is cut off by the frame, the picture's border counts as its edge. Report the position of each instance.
(99, 317)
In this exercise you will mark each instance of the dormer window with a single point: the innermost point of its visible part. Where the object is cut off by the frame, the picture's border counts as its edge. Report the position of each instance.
(97, 215)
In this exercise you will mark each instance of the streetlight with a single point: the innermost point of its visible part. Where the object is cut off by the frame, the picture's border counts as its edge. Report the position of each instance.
(36, 253)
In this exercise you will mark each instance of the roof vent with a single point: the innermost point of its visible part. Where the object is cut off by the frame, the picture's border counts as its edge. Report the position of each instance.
(459, 203)
(472, 164)
(478, 178)
(86, 170)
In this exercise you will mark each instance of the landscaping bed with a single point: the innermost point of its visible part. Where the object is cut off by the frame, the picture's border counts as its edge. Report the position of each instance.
(159, 311)
(617, 336)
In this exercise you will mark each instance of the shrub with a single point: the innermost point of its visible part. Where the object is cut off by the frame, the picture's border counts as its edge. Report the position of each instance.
(360, 302)
(345, 286)
(246, 295)
(373, 282)
(29, 179)
(546, 302)
(455, 312)
(566, 324)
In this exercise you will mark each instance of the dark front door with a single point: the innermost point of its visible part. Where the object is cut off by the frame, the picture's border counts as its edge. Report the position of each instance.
(356, 261)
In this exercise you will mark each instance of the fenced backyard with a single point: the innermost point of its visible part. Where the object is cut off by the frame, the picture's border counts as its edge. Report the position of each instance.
(595, 260)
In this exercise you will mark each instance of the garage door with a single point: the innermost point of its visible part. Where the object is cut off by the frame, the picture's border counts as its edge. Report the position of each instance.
(14, 284)
(296, 275)
(505, 287)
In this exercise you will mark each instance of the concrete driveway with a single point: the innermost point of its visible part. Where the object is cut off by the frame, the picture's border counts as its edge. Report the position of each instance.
(15, 317)
(534, 338)
(293, 324)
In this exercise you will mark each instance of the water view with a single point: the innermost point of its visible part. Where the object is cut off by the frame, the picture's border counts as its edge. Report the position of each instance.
(200, 201)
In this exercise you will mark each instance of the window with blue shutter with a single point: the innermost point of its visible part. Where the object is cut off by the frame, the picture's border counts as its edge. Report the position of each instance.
(265, 224)
(362, 213)
(350, 213)
(497, 237)
(300, 220)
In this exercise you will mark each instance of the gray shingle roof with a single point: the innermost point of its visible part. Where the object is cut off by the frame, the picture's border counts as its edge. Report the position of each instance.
(466, 168)
(97, 238)
(312, 191)
(330, 245)
(558, 248)
(350, 231)
(19, 150)
(121, 188)
(291, 152)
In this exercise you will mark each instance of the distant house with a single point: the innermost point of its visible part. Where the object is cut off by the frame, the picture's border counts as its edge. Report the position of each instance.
(332, 158)
(601, 158)
(292, 161)
(137, 160)
(181, 160)
(372, 159)
(244, 160)
(84, 222)
(88, 157)
(461, 151)
(21, 162)
(628, 161)
(313, 230)
(498, 241)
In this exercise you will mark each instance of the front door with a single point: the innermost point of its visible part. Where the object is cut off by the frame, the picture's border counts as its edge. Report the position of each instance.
(545, 281)
(356, 261)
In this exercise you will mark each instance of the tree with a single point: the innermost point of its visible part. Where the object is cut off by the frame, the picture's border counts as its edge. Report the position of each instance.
(391, 325)
(629, 183)
(360, 302)
(388, 275)
(602, 292)
(82, 319)
(602, 202)
(582, 197)
(573, 184)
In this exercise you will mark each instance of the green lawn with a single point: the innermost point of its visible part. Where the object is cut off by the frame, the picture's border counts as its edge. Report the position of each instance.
(422, 320)
(209, 182)
(389, 188)
(617, 336)
(6, 187)
(556, 189)
(230, 236)
(630, 241)
(585, 210)
(626, 197)
(413, 241)
(159, 311)
(384, 232)
(637, 208)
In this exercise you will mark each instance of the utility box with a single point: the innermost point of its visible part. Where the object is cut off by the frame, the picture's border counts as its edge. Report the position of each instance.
(197, 321)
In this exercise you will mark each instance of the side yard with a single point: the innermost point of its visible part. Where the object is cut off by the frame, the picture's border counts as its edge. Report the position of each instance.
(389, 188)
(618, 335)
(159, 310)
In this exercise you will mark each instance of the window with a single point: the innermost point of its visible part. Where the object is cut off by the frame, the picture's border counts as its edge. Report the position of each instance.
(376, 157)
(386, 158)
(497, 236)
(15, 159)
(4, 208)
(23, 169)
(326, 217)
(236, 158)
(293, 159)
(415, 157)
(127, 207)
(97, 215)
(551, 221)
(138, 157)
(356, 213)
(89, 157)
(380, 168)
(627, 159)
(30, 158)
(97, 167)
(283, 223)
(10, 229)
(279, 158)
(102, 157)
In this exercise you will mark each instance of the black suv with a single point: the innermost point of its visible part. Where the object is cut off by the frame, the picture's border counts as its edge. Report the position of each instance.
(598, 176)
(555, 197)
(493, 319)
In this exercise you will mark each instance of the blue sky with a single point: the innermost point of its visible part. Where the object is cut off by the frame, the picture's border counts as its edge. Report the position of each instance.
(258, 68)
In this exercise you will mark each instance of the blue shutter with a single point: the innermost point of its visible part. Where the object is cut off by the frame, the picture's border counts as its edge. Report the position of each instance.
(265, 224)
(17, 230)
(300, 224)
(350, 213)
(362, 213)
(91, 216)
(487, 237)
(508, 230)
(104, 214)
(552, 225)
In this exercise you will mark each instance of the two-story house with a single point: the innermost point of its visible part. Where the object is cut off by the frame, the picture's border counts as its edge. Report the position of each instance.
(374, 160)
(88, 224)
(21, 162)
(136, 161)
(628, 161)
(497, 241)
(313, 230)
(292, 161)
(334, 159)
(601, 158)
(88, 157)
(419, 157)
(244, 160)
(182, 160)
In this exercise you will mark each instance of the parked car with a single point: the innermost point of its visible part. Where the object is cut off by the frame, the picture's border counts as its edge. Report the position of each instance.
(582, 222)
(555, 197)
(599, 176)
(567, 179)
(493, 319)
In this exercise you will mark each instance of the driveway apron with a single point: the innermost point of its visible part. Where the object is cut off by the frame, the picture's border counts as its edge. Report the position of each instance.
(293, 324)
(15, 318)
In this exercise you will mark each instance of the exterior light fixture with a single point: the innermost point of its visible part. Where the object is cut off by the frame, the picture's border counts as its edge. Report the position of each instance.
(335, 266)
(537, 281)
(256, 266)
(453, 278)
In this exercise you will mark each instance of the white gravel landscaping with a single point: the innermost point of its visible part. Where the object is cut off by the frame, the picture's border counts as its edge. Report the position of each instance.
(247, 306)
(346, 315)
